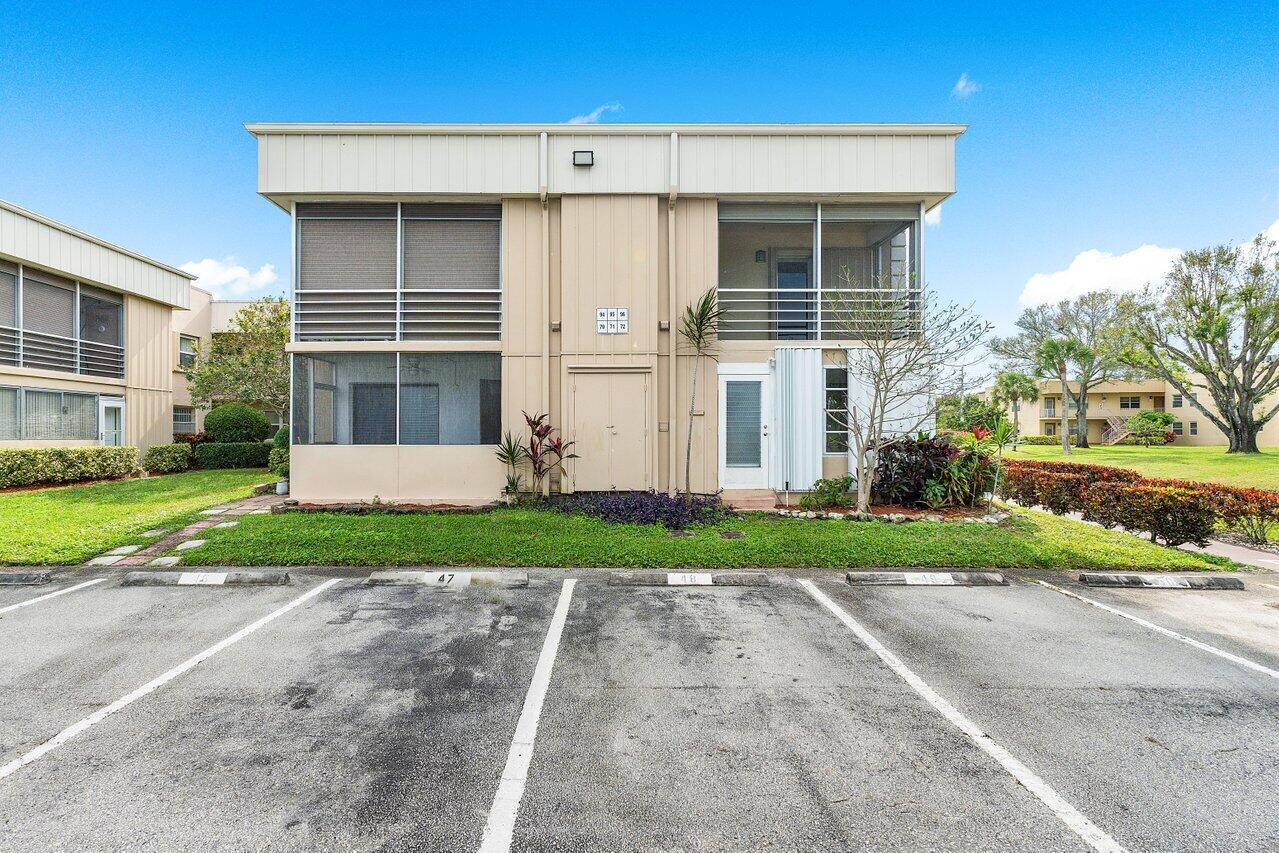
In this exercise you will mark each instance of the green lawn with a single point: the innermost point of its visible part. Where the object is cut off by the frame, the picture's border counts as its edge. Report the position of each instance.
(1211, 464)
(527, 537)
(70, 524)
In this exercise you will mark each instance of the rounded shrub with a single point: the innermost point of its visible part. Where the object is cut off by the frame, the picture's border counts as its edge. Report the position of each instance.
(232, 423)
(167, 458)
(238, 454)
(282, 438)
(278, 462)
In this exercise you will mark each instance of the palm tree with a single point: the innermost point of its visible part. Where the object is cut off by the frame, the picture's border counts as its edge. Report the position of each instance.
(1013, 388)
(1052, 358)
(697, 329)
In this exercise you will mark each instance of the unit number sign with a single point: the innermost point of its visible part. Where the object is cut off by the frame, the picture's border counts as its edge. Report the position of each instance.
(612, 321)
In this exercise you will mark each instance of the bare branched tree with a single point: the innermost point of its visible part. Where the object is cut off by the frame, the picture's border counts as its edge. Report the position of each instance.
(1214, 325)
(905, 349)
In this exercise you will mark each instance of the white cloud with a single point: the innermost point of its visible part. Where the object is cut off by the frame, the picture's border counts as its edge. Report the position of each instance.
(594, 115)
(1097, 270)
(965, 87)
(226, 279)
(933, 217)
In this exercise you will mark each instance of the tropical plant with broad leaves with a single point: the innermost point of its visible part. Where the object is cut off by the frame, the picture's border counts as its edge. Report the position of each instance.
(546, 452)
(511, 453)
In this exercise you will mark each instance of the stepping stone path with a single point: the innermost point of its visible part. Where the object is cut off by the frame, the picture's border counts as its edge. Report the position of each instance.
(218, 516)
(189, 544)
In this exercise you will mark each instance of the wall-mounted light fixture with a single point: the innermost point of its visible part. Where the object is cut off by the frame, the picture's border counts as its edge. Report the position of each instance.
(583, 158)
(760, 256)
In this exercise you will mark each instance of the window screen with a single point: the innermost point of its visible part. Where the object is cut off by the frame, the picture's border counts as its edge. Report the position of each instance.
(8, 314)
(9, 414)
(101, 317)
(80, 416)
(742, 423)
(450, 398)
(346, 254)
(8, 295)
(47, 308)
(42, 414)
(454, 254)
(344, 398)
(836, 409)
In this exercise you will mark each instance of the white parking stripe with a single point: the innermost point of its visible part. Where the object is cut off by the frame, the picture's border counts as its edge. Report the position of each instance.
(1069, 815)
(1167, 632)
(102, 713)
(50, 595)
(500, 827)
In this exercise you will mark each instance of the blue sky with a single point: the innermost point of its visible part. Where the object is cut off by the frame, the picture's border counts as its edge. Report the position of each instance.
(1094, 130)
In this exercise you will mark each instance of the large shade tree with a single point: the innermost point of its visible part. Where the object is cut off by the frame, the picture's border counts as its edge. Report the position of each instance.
(1213, 325)
(247, 363)
(1094, 324)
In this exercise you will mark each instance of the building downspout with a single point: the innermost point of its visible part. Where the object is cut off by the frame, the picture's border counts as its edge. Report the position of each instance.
(543, 171)
(672, 434)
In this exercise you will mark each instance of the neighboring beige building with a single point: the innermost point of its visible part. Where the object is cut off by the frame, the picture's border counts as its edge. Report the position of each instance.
(85, 348)
(1112, 403)
(193, 333)
(448, 278)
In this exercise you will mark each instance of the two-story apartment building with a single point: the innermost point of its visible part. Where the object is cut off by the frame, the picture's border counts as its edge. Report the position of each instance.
(86, 354)
(1112, 403)
(448, 278)
(193, 332)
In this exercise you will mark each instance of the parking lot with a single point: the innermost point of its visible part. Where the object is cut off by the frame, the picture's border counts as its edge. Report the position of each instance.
(575, 714)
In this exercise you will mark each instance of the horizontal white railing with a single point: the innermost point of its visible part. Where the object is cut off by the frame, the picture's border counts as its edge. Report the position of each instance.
(25, 348)
(455, 314)
(770, 313)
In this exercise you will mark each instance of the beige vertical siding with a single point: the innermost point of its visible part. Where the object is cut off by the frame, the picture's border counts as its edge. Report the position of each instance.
(150, 357)
(30, 238)
(610, 260)
(696, 264)
(523, 323)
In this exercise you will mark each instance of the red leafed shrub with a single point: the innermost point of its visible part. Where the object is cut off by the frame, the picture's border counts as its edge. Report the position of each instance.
(1057, 492)
(1091, 473)
(1246, 511)
(191, 437)
(1171, 515)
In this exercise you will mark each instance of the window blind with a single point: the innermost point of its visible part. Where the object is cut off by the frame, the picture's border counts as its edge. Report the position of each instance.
(742, 417)
(9, 414)
(47, 308)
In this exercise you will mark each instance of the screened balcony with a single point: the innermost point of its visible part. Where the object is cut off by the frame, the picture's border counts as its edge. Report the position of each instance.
(51, 323)
(409, 272)
(805, 272)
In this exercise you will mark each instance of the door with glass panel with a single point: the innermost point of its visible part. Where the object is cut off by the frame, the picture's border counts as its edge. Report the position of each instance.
(110, 421)
(744, 407)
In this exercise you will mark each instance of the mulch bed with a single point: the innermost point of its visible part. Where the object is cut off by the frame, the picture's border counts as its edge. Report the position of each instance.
(384, 509)
(913, 512)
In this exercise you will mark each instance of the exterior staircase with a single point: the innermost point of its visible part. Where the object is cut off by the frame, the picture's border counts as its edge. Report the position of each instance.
(1115, 431)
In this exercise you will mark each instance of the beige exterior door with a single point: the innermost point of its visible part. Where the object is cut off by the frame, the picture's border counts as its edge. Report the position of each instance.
(610, 428)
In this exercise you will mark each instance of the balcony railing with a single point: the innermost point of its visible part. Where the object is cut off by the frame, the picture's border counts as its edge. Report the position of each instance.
(808, 314)
(24, 348)
(440, 314)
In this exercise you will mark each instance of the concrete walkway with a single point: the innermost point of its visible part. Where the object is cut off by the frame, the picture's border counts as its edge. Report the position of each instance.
(216, 515)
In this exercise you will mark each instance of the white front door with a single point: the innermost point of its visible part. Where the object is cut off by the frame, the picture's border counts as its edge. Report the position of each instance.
(745, 404)
(110, 421)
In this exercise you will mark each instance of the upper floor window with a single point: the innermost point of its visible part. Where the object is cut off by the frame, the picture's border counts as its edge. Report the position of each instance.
(188, 349)
(52, 323)
(1133, 402)
(802, 272)
(384, 272)
(1050, 406)
(1176, 401)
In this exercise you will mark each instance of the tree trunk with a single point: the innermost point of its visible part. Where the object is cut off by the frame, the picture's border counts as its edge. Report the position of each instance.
(1016, 423)
(688, 449)
(1243, 432)
(1065, 422)
(1081, 420)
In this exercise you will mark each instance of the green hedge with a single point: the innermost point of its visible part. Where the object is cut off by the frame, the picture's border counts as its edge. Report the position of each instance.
(279, 462)
(236, 423)
(167, 458)
(1044, 440)
(233, 454)
(38, 465)
(282, 438)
